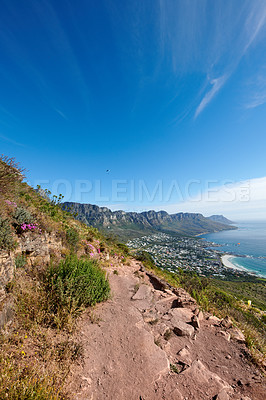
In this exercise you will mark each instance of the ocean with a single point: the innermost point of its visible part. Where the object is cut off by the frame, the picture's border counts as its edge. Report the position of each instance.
(248, 242)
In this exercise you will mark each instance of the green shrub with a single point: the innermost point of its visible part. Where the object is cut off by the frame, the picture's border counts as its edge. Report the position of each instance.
(20, 261)
(6, 238)
(72, 237)
(23, 216)
(124, 248)
(73, 284)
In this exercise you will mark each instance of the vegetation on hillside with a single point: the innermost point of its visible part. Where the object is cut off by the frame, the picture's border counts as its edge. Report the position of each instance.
(38, 348)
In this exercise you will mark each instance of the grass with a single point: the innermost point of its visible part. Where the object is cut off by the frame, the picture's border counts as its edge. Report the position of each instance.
(35, 357)
(24, 383)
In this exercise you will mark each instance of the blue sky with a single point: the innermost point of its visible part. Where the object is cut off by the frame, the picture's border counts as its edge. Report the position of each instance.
(165, 94)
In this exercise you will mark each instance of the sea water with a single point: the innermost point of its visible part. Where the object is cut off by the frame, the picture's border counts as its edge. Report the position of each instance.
(248, 242)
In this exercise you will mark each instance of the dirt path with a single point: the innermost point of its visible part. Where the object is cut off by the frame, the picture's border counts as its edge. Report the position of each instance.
(142, 346)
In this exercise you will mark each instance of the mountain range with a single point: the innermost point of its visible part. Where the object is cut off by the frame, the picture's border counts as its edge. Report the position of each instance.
(221, 219)
(126, 225)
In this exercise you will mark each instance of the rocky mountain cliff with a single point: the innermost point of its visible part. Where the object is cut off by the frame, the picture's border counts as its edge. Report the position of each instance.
(129, 224)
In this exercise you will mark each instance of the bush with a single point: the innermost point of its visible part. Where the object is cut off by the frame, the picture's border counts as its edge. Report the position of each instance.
(10, 175)
(6, 238)
(23, 216)
(72, 237)
(124, 248)
(74, 284)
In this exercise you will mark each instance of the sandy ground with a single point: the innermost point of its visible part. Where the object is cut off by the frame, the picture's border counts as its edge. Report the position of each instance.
(227, 263)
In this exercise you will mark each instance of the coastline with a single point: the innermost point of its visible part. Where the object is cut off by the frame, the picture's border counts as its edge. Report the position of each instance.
(227, 263)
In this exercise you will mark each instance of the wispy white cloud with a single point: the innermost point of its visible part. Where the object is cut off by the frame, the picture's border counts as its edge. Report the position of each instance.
(244, 31)
(213, 43)
(217, 84)
(61, 113)
(9, 140)
(257, 90)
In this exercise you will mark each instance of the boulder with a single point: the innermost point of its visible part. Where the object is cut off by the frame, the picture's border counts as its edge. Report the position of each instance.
(183, 299)
(213, 319)
(183, 314)
(143, 293)
(184, 356)
(237, 335)
(180, 328)
(226, 335)
(203, 377)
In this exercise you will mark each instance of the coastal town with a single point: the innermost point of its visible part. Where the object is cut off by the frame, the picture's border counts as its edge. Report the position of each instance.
(192, 254)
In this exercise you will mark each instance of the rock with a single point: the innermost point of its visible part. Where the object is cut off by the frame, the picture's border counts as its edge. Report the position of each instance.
(169, 292)
(157, 356)
(237, 335)
(214, 319)
(156, 282)
(162, 329)
(183, 314)
(200, 316)
(167, 347)
(143, 293)
(223, 395)
(184, 356)
(165, 303)
(226, 322)
(203, 377)
(181, 328)
(228, 357)
(150, 317)
(226, 335)
(195, 322)
(183, 299)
